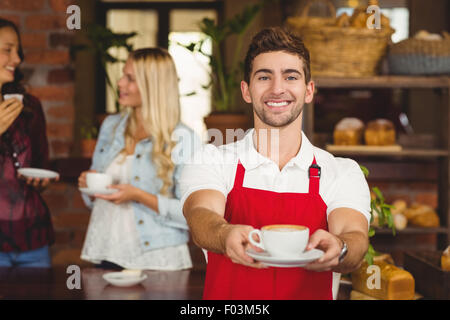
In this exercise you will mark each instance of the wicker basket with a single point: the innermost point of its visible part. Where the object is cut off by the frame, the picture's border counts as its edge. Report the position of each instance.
(342, 51)
(420, 57)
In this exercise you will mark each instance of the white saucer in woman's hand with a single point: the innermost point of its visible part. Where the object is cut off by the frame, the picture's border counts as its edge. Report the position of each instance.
(92, 192)
(38, 173)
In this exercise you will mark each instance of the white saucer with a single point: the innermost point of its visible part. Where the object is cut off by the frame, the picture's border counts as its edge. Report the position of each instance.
(283, 262)
(38, 173)
(121, 279)
(92, 192)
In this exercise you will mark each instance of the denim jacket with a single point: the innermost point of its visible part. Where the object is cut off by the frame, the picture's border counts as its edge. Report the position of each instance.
(156, 230)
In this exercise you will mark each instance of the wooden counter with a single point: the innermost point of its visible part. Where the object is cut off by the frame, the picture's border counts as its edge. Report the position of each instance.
(51, 284)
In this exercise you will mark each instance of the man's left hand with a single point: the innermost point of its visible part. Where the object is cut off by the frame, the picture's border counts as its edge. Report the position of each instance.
(330, 244)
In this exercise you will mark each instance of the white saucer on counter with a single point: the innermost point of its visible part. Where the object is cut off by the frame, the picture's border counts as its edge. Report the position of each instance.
(124, 279)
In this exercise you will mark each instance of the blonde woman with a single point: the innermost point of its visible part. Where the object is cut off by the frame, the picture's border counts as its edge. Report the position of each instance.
(141, 226)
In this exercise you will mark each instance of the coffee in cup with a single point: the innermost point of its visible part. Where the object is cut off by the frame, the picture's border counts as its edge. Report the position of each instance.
(283, 240)
(98, 181)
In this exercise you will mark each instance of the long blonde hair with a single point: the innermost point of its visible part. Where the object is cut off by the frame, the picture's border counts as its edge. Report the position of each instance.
(157, 81)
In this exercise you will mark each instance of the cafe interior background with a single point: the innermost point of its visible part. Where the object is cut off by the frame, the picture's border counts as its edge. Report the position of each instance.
(70, 82)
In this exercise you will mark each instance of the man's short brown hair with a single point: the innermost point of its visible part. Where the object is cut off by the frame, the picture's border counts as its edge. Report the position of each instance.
(276, 39)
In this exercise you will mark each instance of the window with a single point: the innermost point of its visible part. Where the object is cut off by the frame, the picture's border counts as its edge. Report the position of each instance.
(171, 25)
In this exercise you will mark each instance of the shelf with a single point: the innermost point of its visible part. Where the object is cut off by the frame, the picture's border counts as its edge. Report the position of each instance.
(383, 82)
(406, 153)
(412, 230)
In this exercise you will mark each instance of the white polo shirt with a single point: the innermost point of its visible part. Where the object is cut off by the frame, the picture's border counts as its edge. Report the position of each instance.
(342, 183)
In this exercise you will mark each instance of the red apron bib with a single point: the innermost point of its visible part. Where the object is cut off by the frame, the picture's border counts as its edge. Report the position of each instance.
(227, 280)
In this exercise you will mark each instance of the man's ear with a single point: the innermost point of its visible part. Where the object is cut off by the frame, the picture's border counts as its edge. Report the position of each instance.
(245, 92)
(309, 94)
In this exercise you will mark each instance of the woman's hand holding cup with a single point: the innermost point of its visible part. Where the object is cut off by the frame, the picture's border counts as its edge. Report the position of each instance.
(82, 182)
(9, 111)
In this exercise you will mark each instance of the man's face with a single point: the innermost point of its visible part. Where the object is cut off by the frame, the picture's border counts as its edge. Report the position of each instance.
(277, 88)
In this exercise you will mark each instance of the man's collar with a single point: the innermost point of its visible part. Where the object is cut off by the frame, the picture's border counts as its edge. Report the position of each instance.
(251, 158)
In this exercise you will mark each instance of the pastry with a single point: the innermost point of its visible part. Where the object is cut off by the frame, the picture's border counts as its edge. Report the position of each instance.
(425, 35)
(400, 221)
(445, 259)
(348, 132)
(394, 283)
(360, 17)
(359, 20)
(375, 221)
(380, 132)
(385, 257)
(422, 216)
(343, 21)
(399, 206)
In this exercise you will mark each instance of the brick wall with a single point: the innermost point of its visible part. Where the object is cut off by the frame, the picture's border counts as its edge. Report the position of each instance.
(48, 70)
(70, 219)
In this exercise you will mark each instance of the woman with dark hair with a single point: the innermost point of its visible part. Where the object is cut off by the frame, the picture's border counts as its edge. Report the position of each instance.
(25, 225)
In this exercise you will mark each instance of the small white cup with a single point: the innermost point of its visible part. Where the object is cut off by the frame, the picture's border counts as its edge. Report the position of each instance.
(18, 96)
(98, 181)
(281, 240)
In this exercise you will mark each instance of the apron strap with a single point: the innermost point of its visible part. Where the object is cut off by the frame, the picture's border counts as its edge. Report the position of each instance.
(239, 177)
(314, 173)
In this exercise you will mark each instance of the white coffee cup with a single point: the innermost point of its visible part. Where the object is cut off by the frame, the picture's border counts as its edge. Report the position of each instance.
(18, 96)
(282, 240)
(98, 181)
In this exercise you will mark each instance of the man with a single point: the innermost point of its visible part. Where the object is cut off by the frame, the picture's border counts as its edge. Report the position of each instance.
(275, 176)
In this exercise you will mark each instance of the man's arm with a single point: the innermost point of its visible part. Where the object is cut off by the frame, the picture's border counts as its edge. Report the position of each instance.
(204, 212)
(347, 225)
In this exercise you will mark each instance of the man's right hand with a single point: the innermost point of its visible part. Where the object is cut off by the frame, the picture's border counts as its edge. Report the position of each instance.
(236, 243)
(204, 212)
(9, 111)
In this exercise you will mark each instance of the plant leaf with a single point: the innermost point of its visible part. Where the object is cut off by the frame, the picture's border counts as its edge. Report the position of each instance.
(364, 170)
(378, 193)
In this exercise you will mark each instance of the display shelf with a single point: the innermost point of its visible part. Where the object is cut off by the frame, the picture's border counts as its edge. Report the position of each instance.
(412, 230)
(383, 82)
(405, 153)
(415, 159)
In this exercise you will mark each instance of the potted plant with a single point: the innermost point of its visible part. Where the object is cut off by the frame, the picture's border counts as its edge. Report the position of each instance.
(100, 42)
(383, 212)
(225, 79)
(89, 134)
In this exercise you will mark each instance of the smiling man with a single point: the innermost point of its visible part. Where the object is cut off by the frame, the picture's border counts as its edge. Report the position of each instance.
(275, 176)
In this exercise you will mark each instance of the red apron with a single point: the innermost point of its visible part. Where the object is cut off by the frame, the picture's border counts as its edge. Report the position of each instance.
(227, 280)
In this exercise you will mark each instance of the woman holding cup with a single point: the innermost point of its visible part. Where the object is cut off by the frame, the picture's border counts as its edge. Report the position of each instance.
(25, 224)
(141, 224)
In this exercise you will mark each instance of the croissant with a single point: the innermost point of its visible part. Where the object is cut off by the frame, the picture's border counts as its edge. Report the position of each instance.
(445, 259)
